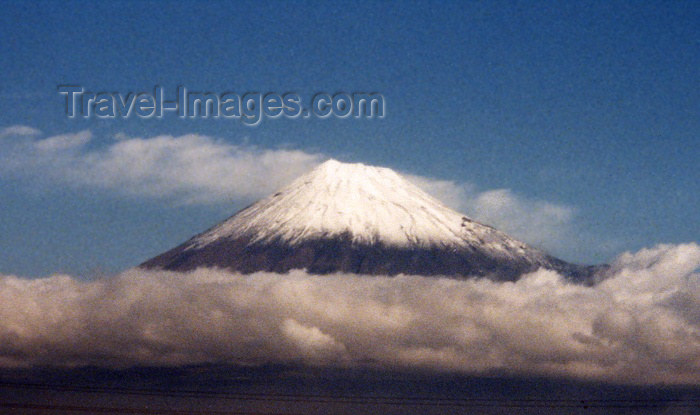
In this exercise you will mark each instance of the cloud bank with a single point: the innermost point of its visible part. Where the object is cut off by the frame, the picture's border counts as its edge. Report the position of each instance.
(641, 325)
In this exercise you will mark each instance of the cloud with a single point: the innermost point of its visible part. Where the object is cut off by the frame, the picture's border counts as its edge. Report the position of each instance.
(641, 325)
(63, 142)
(19, 130)
(540, 222)
(190, 169)
(453, 194)
(544, 224)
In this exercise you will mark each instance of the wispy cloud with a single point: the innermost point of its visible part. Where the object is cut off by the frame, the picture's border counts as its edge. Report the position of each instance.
(547, 225)
(187, 169)
(58, 143)
(19, 130)
(641, 325)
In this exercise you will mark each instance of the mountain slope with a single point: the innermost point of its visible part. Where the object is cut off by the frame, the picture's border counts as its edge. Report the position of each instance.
(355, 218)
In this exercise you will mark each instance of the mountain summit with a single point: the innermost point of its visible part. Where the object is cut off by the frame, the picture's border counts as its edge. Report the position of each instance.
(354, 218)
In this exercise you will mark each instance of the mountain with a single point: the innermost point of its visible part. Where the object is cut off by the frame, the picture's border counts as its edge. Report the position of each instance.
(361, 219)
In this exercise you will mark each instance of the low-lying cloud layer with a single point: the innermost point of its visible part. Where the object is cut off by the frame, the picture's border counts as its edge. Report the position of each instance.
(640, 325)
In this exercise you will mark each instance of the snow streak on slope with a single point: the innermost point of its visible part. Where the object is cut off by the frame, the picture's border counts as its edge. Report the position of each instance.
(368, 204)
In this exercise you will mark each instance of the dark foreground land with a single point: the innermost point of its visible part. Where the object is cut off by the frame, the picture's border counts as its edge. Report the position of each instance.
(291, 390)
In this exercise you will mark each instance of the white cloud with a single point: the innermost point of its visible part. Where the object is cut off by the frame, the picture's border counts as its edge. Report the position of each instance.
(313, 345)
(19, 130)
(453, 194)
(187, 169)
(121, 136)
(64, 141)
(641, 325)
(540, 223)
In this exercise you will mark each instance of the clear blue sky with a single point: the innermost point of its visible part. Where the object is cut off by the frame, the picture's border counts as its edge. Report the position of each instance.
(589, 105)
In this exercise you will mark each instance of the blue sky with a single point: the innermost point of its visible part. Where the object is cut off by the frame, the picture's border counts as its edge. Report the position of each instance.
(573, 126)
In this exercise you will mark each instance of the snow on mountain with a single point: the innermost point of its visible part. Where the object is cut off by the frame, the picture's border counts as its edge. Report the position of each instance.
(355, 218)
(372, 204)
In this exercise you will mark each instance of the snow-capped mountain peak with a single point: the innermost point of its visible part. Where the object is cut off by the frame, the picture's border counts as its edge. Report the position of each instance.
(360, 219)
(369, 204)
